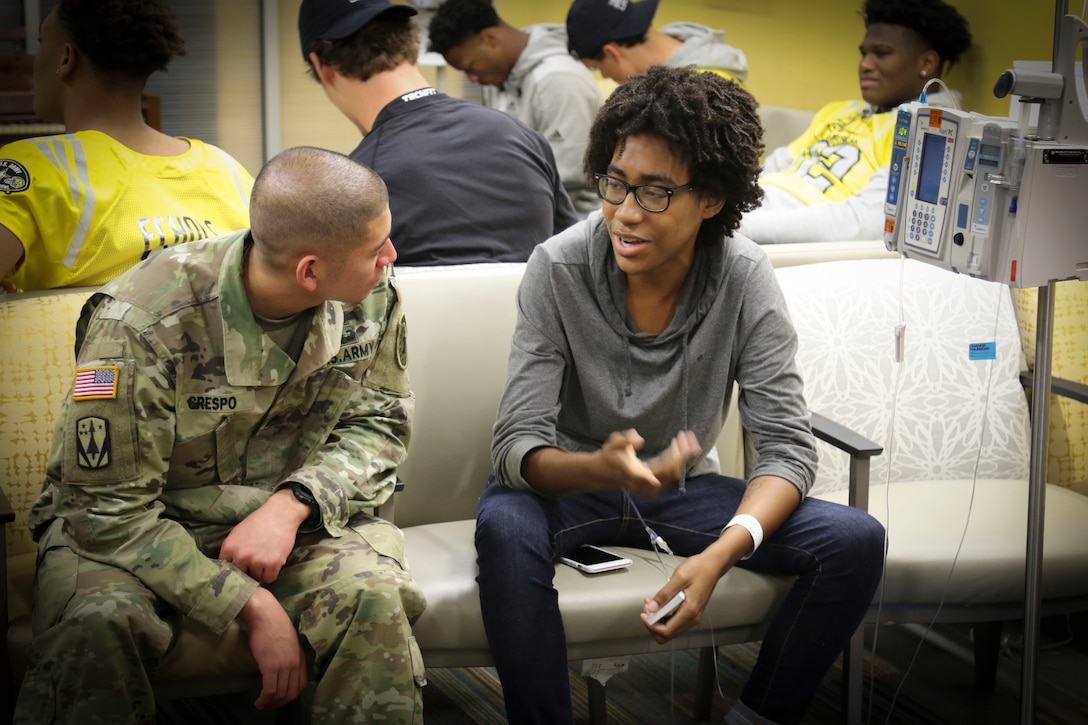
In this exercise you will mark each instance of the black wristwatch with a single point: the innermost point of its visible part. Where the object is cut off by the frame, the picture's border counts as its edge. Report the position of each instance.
(313, 521)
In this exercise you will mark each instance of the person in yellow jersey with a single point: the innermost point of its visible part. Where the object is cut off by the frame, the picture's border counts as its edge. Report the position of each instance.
(616, 38)
(830, 182)
(80, 208)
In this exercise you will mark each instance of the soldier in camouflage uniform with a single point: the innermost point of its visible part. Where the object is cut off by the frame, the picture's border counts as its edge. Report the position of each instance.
(240, 406)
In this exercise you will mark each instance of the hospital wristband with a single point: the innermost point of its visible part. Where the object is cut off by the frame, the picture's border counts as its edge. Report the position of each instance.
(754, 528)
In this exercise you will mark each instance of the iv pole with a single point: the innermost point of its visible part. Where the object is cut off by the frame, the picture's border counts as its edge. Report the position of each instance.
(1040, 430)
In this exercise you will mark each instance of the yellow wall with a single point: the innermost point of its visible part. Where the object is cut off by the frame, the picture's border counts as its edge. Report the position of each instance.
(307, 117)
(238, 42)
(801, 53)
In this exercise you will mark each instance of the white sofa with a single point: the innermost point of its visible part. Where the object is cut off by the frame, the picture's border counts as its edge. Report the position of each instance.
(925, 487)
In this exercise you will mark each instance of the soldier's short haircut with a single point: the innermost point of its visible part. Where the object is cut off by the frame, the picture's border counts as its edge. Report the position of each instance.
(381, 45)
(308, 200)
(123, 39)
(709, 123)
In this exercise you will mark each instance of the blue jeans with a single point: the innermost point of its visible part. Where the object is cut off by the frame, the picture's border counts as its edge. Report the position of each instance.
(836, 552)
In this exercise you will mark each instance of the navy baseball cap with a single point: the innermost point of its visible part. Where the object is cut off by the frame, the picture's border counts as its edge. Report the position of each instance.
(335, 19)
(592, 23)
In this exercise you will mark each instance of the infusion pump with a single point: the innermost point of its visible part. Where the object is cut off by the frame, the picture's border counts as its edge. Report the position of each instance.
(969, 193)
(990, 197)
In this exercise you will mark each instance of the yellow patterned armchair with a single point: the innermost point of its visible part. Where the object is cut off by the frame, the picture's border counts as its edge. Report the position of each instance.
(37, 360)
(37, 339)
(1068, 445)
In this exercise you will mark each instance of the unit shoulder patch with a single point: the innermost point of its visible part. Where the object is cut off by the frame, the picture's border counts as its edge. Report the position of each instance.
(13, 176)
(93, 444)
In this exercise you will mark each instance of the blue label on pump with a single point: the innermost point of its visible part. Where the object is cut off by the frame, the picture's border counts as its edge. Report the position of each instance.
(982, 351)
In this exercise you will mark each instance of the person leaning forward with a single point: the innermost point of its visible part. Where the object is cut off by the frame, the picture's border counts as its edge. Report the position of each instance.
(528, 73)
(240, 405)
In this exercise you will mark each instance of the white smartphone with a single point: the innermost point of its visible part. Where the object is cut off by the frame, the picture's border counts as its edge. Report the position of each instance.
(593, 559)
(667, 609)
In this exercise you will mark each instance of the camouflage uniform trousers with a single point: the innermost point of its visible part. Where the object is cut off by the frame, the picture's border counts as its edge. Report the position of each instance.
(99, 633)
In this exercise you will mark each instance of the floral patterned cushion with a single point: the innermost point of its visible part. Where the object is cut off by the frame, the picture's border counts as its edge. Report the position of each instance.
(953, 408)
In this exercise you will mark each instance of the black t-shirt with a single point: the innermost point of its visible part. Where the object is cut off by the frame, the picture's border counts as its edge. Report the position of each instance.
(467, 184)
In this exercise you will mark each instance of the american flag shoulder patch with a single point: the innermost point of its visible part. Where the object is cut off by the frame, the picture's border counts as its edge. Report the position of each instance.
(96, 383)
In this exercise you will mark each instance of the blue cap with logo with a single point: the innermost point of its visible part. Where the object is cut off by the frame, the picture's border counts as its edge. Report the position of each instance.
(335, 19)
(592, 23)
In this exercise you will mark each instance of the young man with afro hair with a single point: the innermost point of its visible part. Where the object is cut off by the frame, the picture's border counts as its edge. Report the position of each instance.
(830, 182)
(632, 328)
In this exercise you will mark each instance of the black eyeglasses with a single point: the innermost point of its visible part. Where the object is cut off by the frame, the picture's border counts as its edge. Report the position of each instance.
(650, 197)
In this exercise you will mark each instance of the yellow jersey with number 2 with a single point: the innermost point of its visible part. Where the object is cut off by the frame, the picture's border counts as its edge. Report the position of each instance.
(834, 158)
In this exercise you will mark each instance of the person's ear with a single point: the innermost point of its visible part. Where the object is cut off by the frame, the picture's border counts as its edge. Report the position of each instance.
(929, 65)
(308, 272)
(612, 51)
(69, 61)
(710, 204)
(325, 73)
(489, 37)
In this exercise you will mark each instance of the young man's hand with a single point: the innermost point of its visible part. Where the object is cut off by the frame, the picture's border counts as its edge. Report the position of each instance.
(696, 576)
(649, 478)
(668, 465)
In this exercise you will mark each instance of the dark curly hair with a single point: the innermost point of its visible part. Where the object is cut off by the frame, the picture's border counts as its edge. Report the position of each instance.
(709, 123)
(937, 23)
(128, 39)
(456, 21)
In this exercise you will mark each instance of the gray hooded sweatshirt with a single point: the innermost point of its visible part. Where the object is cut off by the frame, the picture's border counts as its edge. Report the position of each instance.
(578, 370)
(551, 92)
(706, 49)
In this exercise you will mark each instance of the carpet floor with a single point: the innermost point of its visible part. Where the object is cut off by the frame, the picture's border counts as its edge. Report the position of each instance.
(657, 688)
(904, 684)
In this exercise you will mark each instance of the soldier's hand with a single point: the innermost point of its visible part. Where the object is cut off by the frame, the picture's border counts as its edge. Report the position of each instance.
(275, 646)
(260, 543)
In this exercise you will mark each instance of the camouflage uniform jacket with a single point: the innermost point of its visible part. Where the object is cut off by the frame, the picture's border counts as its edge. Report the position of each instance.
(185, 417)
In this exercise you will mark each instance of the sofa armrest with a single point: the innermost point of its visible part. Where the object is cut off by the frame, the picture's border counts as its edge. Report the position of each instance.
(387, 510)
(1059, 386)
(858, 447)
